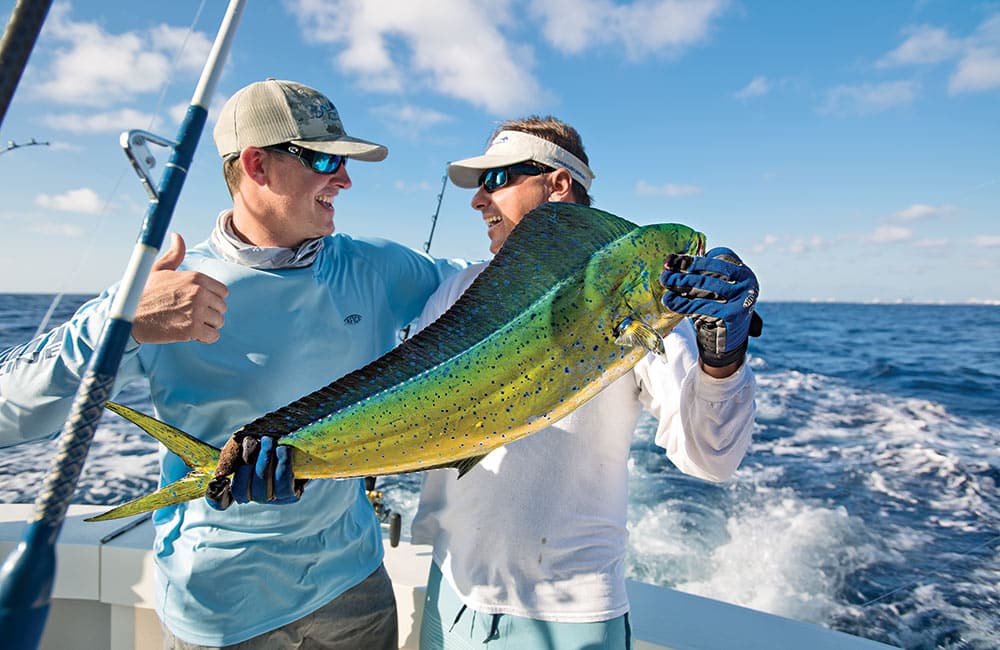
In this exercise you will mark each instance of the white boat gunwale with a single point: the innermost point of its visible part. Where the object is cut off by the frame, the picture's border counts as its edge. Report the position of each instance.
(103, 598)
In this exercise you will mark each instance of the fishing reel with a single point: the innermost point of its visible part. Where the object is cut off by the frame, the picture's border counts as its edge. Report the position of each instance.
(385, 515)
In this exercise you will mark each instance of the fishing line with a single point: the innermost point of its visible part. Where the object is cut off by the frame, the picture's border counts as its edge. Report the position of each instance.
(979, 187)
(102, 215)
(926, 574)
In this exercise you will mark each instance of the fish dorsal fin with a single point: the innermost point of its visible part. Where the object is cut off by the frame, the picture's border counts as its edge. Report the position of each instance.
(550, 245)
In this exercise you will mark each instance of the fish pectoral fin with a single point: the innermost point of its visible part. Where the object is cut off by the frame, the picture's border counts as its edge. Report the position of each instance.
(463, 465)
(190, 487)
(634, 332)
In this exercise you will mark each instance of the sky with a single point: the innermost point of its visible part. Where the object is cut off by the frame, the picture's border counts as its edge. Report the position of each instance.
(848, 151)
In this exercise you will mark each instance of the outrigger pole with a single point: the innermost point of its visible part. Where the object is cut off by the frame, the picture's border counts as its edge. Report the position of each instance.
(28, 574)
(18, 40)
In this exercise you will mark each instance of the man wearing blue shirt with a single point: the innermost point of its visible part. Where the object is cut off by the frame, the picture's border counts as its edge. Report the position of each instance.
(271, 307)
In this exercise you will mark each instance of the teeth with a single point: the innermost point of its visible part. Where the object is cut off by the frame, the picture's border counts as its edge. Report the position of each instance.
(325, 200)
(492, 221)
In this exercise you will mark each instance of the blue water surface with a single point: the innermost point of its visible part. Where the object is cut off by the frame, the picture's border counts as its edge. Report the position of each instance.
(868, 502)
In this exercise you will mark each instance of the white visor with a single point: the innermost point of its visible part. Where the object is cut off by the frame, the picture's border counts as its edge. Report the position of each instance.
(510, 147)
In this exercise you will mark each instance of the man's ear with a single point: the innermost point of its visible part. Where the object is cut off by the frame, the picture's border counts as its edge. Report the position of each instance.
(254, 165)
(560, 186)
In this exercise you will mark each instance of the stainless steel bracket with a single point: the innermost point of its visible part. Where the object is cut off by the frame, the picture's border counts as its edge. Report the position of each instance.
(135, 143)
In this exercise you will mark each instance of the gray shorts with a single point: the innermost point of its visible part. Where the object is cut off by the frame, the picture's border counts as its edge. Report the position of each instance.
(364, 616)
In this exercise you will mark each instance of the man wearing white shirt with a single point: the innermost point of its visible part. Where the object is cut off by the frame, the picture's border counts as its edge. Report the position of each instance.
(529, 546)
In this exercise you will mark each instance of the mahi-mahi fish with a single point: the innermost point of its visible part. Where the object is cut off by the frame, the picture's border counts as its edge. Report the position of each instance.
(567, 306)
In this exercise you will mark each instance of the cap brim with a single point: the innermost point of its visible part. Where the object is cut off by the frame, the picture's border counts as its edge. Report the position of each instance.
(355, 148)
(465, 173)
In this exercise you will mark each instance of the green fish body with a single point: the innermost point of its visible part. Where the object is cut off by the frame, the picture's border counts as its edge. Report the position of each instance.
(569, 304)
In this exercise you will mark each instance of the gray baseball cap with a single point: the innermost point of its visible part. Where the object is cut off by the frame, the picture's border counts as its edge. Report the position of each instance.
(275, 111)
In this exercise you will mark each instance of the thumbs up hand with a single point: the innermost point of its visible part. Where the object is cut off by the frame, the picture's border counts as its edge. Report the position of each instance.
(179, 305)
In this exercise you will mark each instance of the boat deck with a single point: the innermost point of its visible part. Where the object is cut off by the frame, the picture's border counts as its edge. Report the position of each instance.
(102, 598)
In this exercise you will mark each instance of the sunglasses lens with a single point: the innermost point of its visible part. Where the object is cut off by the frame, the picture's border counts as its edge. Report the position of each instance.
(494, 179)
(326, 163)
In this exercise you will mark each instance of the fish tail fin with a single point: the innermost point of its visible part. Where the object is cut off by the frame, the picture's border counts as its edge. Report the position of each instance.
(200, 456)
(195, 453)
(188, 488)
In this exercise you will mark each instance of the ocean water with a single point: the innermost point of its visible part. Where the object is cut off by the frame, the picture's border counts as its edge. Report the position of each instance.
(868, 503)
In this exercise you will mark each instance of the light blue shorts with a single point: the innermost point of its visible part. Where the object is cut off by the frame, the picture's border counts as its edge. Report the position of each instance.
(450, 625)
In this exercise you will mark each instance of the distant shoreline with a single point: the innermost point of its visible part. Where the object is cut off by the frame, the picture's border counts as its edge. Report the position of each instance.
(811, 301)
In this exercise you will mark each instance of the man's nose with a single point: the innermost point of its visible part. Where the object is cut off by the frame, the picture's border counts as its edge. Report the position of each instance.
(480, 199)
(342, 179)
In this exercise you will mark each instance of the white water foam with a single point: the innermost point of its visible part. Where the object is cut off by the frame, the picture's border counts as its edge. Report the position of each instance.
(841, 484)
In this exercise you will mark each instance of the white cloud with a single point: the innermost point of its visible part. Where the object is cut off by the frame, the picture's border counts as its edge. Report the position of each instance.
(801, 245)
(925, 44)
(65, 146)
(869, 98)
(986, 241)
(92, 67)
(979, 70)
(790, 245)
(454, 47)
(939, 243)
(769, 242)
(408, 118)
(107, 122)
(919, 211)
(57, 229)
(670, 189)
(977, 56)
(643, 27)
(758, 86)
(889, 234)
(83, 200)
(469, 50)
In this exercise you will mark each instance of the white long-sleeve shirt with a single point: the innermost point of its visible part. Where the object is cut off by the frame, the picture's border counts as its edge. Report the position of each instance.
(538, 528)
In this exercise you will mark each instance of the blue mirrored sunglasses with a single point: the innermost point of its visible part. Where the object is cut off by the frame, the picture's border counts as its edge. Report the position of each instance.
(317, 161)
(493, 179)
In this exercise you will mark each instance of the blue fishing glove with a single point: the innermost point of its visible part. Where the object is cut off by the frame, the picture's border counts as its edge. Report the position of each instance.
(265, 476)
(718, 292)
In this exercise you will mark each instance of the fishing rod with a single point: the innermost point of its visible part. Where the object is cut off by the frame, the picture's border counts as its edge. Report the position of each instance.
(11, 145)
(434, 218)
(27, 576)
(404, 333)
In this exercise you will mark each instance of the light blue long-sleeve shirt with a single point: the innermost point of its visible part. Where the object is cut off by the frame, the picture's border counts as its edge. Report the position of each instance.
(224, 577)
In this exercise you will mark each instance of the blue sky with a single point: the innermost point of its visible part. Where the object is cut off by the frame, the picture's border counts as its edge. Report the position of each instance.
(848, 151)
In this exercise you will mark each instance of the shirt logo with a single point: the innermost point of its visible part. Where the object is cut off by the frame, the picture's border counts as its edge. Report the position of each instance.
(353, 319)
